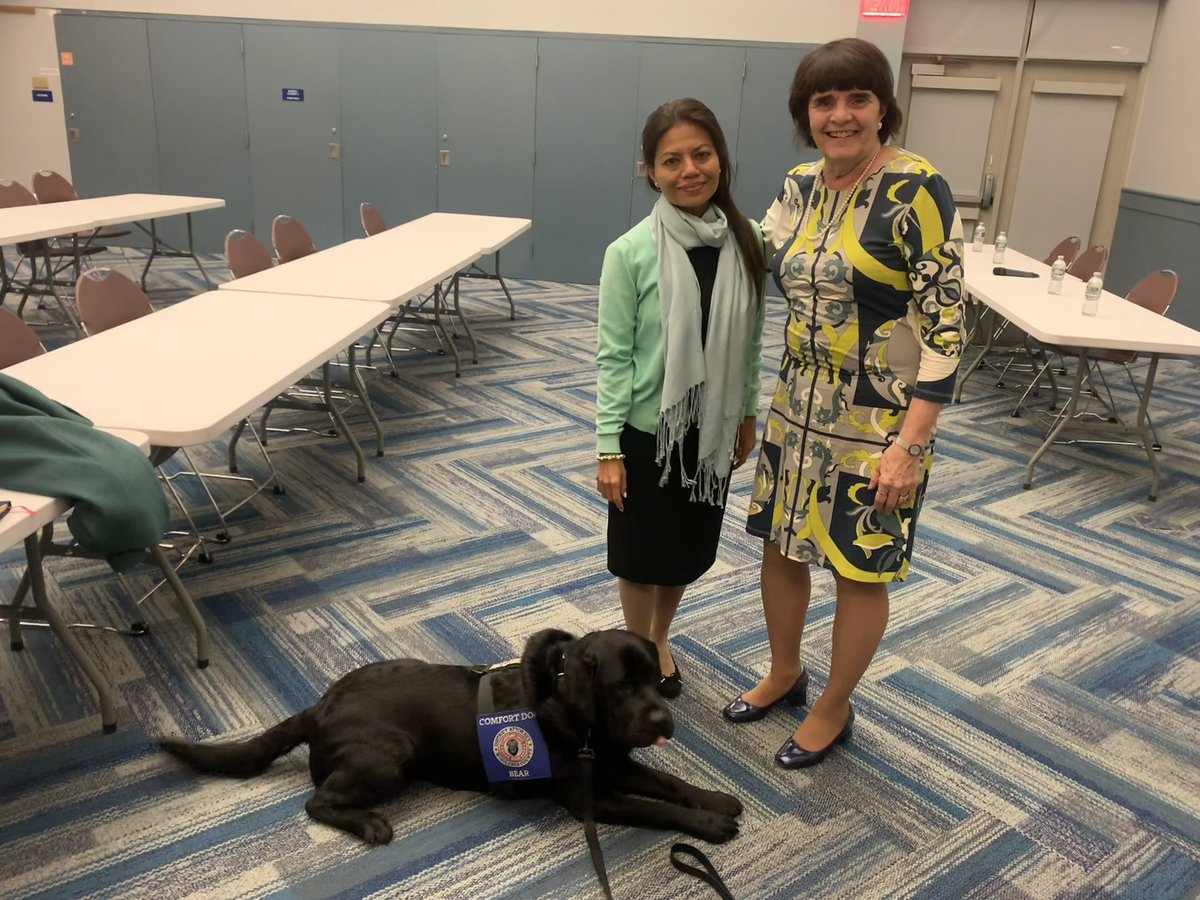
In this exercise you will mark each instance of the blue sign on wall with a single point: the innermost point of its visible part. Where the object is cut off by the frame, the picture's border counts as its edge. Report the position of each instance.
(294, 94)
(43, 96)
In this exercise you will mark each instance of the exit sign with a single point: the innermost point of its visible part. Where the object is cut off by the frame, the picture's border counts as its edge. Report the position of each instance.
(894, 9)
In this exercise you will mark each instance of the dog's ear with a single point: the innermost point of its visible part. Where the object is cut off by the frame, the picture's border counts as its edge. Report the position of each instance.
(577, 687)
(542, 662)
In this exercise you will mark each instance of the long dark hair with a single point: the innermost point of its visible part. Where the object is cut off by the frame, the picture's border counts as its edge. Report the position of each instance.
(689, 111)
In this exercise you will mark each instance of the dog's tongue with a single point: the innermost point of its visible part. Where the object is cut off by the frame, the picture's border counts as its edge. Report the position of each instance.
(660, 742)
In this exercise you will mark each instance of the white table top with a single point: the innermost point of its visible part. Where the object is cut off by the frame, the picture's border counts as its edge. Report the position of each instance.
(186, 373)
(27, 223)
(393, 266)
(1058, 319)
(20, 523)
(121, 208)
(490, 233)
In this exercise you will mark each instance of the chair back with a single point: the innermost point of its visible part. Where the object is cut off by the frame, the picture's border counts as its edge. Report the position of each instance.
(13, 194)
(1155, 291)
(50, 187)
(106, 299)
(290, 238)
(245, 254)
(1090, 261)
(17, 341)
(1067, 248)
(371, 218)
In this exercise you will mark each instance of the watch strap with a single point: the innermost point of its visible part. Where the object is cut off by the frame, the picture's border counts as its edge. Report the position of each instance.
(908, 447)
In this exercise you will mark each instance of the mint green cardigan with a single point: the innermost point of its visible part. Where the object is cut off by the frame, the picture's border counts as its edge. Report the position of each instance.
(629, 344)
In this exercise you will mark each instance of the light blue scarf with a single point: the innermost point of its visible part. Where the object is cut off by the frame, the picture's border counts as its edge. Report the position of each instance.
(705, 380)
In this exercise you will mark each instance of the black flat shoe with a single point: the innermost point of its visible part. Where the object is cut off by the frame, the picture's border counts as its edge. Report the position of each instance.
(740, 711)
(792, 756)
(671, 686)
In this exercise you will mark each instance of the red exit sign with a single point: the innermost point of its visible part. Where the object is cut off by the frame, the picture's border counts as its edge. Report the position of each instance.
(895, 9)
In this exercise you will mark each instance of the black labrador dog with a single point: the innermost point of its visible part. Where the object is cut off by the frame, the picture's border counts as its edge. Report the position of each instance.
(389, 723)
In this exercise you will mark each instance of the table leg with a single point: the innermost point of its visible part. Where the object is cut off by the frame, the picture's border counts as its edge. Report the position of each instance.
(336, 413)
(512, 308)
(1143, 427)
(467, 328)
(1067, 414)
(153, 251)
(192, 253)
(987, 346)
(33, 554)
(360, 388)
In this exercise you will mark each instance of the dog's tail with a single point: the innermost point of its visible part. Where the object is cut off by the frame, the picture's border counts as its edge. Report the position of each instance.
(243, 759)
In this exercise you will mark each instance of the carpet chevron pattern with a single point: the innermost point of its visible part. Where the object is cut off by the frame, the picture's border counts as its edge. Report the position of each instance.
(1030, 728)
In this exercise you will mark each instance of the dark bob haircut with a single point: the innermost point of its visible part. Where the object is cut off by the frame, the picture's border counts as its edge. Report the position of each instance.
(844, 65)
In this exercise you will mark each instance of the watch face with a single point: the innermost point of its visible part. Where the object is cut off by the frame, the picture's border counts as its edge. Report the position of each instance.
(915, 449)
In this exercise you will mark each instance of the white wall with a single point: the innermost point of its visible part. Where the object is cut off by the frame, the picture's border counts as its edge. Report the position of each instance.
(33, 132)
(1163, 160)
(807, 21)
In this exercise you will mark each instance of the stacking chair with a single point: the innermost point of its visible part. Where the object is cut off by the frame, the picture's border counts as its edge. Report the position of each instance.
(1154, 292)
(1067, 248)
(40, 254)
(245, 254)
(371, 218)
(50, 187)
(1090, 261)
(290, 239)
(17, 341)
(105, 299)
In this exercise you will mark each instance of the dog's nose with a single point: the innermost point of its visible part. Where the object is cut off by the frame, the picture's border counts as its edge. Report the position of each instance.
(663, 722)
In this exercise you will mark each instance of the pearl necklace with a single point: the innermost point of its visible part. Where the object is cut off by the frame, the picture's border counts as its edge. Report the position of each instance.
(811, 206)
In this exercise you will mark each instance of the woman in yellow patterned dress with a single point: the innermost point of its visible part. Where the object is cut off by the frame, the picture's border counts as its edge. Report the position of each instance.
(868, 254)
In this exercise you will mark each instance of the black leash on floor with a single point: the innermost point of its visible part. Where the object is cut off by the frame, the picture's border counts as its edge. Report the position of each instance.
(707, 874)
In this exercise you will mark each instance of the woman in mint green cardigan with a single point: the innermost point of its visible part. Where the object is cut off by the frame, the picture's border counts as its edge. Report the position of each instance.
(679, 345)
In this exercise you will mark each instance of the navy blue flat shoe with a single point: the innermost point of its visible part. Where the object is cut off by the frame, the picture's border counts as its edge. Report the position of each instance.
(739, 711)
(792, 756)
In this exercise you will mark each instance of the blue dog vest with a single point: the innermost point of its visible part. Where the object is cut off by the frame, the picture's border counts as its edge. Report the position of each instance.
(510, 740)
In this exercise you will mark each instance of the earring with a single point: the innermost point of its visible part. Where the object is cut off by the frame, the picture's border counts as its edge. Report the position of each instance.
(654, 184)
(879, 127)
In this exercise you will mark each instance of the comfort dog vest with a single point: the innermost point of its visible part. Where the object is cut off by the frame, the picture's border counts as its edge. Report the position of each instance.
(510, 740)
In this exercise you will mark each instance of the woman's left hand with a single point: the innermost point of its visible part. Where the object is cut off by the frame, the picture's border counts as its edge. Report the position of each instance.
(747, 440)
(895, 481)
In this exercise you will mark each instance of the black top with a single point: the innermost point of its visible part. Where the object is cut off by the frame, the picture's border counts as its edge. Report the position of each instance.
(704, 262)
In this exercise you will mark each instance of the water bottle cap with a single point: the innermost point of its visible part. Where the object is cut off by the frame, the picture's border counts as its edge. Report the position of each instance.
(1060, 258)
(1095, 274)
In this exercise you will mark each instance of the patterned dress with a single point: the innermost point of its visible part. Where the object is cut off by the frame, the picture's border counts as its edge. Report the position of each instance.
(876, 316)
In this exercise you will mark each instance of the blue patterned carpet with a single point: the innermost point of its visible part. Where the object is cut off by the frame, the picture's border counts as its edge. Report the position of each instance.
(1030, 727)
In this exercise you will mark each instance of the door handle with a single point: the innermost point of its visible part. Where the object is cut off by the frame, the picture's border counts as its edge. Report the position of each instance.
(988, 192)
(73, 135)
(335, 151)
(443, 157)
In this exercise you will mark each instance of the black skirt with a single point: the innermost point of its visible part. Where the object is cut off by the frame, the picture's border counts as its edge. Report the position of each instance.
(662, 537)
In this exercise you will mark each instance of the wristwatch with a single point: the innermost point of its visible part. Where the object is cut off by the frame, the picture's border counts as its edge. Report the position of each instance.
(910, 448)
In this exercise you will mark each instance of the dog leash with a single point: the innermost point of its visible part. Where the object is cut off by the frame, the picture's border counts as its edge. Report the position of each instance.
(708, 874)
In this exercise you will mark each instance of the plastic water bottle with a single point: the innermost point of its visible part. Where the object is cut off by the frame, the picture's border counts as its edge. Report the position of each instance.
(999, 248)
(1058, 272)
(1091, 295)
(980, 234)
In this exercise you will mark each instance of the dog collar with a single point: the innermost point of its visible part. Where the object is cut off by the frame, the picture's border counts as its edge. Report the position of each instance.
(510, 740)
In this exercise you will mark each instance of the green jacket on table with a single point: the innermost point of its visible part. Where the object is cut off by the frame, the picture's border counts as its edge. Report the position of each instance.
(48, 449)
(629, 346)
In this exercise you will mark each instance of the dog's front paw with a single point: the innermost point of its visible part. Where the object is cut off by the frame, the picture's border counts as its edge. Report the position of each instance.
(726, 804)
(373, 828)
(714, 827)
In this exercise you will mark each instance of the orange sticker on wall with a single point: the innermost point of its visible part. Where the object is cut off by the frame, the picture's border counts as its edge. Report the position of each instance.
(66, 58)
